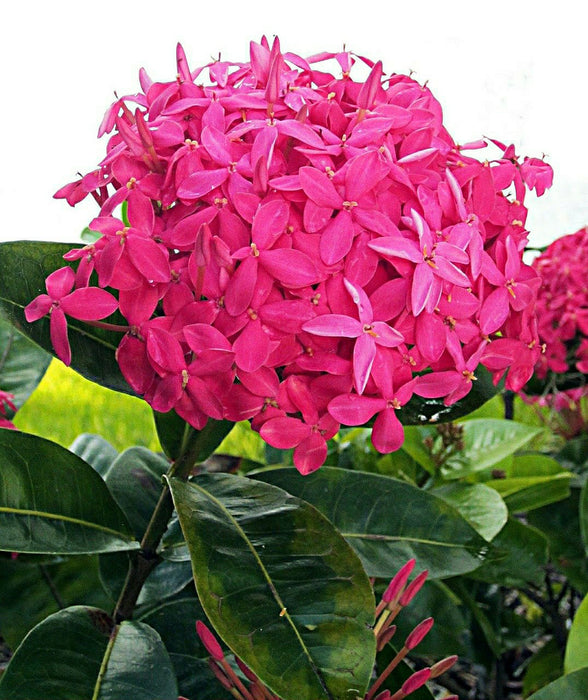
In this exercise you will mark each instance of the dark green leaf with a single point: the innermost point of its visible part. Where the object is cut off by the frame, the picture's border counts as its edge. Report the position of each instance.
(520, 559)
(80, 654)
(399, 675)
(543, 668)
(388, 521)
(560, 523)
(135, 481)
(280, 585)
(571, 687)
(32, 587)
(172, 432)
(485, 623)
(480, 505)
(583, 515)
(22, 364)
(52, 502)
(24, 265)
(94, 450)
(419, 411)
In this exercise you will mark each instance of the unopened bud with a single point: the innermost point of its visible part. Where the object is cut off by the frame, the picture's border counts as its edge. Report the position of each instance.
(384, 695)
(247, 672)
(209, 641)
(416, 681)
(418, 633)
(220, 676)
(386, 637)
(398, 582)
(442, 666)
(413, 588)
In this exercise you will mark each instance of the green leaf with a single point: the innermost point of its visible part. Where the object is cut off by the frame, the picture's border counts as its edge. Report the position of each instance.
(480, 505)
(419, 411)
(576, 656)
(50, 583)
(414, 446)
(280, 585)
(560, 523)
(24, 266)
(52, 502)
(388, 521)
(570, 687)
(135, 481)
(490, 634)
(172, 432)
(22, 365)
(522, 554)
(531, 481)
(487, 441)
(544, 667)
(175, 621)
(583, 515)
(94, 450)
(80, 654)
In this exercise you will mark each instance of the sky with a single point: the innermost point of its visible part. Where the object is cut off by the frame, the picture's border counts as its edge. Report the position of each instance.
(507, 70)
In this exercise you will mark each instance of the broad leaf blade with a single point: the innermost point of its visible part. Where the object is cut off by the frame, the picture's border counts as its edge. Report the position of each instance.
(22, 364)
(90, 658)
(388, 521)
(94, 450)
(24, 265)
(576, 648)
(571, 686)
(480, 505)
(280, 585)
(52, 502)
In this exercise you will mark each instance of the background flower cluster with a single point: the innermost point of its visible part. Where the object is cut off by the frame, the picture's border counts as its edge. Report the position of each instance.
(300, 250)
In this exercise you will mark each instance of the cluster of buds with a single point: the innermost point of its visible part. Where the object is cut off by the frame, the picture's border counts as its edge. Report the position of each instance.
(562, 305)
(396, 597)
(300, 250)
(6, 401)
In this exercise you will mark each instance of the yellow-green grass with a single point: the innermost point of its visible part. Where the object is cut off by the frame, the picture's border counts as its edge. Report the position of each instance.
(64, 405)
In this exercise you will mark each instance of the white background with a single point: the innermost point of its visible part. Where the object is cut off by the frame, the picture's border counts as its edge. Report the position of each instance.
(510, 70)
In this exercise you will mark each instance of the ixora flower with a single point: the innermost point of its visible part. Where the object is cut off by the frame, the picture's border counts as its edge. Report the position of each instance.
(6, 401)
(342, 249)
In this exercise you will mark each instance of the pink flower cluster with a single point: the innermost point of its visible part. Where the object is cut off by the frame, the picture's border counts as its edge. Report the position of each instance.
(562, 305)
(6, 400)
(301, 250)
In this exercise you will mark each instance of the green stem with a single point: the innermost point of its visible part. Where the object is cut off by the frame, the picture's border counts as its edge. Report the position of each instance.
(197, 446)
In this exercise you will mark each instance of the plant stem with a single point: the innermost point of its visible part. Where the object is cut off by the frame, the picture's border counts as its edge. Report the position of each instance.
(197, 446)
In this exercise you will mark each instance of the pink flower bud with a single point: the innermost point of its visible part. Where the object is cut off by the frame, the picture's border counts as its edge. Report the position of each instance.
(384, 695)
(209, 641)
(416, 681)
(413, 588)
(418, 633)
(399, 581)
(220, 676)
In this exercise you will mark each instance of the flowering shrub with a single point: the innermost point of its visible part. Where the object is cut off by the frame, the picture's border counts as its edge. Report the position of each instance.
(300, 250)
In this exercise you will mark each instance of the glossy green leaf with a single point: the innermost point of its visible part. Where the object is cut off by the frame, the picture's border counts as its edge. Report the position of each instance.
(414, 446)
(570, 687)
(480, 505)
(52, 502)
(90, 658)
(35, 586)
(94, 450)
(280, 585)
(560, 523)
(419, 411)
(487, 624)
(175, 621)
(24, 266)
(22, 364)
(576, 656)
(531, 481)
(172, 432)
(521, 555)
(388, 521)
(487, 441)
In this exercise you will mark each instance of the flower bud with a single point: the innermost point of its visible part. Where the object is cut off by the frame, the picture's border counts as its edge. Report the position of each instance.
(418, 633)
(398, 582)
(443, 665)
(413, 588)
(416, 681)
(209, 641)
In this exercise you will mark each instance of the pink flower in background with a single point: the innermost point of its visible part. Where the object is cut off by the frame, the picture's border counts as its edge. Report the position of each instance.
(337, 244)
(6, 401)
